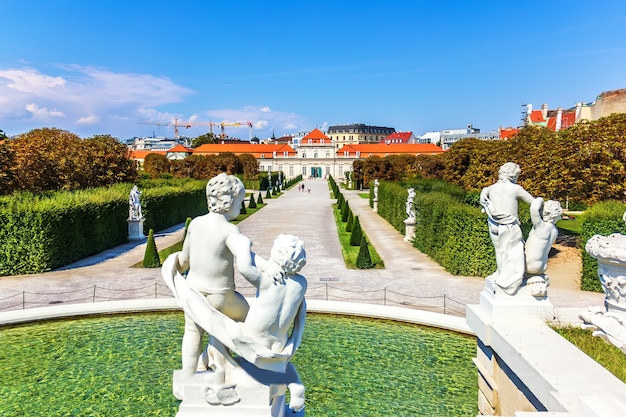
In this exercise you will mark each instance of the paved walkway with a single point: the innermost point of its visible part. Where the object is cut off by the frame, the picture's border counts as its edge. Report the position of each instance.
(409, 278)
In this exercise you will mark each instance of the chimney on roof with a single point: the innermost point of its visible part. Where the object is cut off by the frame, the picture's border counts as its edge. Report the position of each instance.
(544, 111)
(579, 107)
(559, 119)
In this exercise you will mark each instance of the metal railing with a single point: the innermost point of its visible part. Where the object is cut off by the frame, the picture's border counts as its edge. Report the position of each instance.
(385, 296)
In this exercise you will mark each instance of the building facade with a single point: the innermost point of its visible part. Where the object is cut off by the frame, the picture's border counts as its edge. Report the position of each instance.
(450, 136)
(358, 133)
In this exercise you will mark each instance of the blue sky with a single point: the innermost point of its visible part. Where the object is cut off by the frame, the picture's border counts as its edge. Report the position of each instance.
(102, 67)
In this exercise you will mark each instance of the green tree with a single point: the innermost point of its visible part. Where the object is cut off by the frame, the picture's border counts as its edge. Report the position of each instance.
(207, 138)
(156, 164)
(252, 203)
(46, 159)
(350, 221)
(8, 181)
(364, 259)
(151, 256)
(260, 199)
(357, 233)
(105, 161)
(250, 166)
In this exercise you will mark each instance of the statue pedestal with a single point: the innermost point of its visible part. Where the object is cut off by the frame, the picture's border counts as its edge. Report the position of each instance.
(499, 304)
(375, 208)
(409, 230)
(135, 229)
(253, 398)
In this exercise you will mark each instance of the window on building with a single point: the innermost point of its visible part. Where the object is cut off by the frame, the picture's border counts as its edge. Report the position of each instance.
(274, 154)
(358, 154)
(327, 170)
(261, 167)
(291, 170)
(346, 154)
(340, 167)
(262, 156)
(303, 171)
(304, 154)
(327, 154)
(286, 154)
(315, 155)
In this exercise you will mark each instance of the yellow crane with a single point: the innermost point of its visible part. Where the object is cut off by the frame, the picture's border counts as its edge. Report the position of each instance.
(177, 123)
(235, 124)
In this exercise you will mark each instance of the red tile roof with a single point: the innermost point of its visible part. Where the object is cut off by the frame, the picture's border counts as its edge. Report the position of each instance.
(140, 154)
(316, 134)
(568, 119)
(257, 150)
(398, 137)
(382, 149)
(508, 132)
(180, 148)
(536, 116)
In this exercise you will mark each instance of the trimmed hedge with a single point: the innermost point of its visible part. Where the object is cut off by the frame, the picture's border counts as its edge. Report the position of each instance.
(603, 219)
(40, 232)
(449, 227)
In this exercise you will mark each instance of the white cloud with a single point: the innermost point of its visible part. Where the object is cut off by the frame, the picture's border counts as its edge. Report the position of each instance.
(82, 96)
(43, 113)
(88, 120)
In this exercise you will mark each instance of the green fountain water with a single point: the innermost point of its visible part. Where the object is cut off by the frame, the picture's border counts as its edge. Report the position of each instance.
(122, 366)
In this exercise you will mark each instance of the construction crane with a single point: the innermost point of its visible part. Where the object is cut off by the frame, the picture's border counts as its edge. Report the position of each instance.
(176, 125)
(235, 124)
(224, 124)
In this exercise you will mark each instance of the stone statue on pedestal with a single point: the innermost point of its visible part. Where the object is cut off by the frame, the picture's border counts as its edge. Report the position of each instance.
(135, 216)
(375, 199)
(201, 278)
(500, 202)
(410, 206)
(134, 205)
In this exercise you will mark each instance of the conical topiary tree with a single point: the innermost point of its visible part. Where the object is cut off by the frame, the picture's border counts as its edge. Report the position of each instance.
(345, 212)
(364, 259)
(252, 203)
(151, 257)
(350, 221)
(242, 210)
(357, 233)
(274, 192)
(260, 199)
(268, 194)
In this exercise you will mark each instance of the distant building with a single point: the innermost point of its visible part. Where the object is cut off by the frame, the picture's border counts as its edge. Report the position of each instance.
(315, 154)
(153, 143)
(451, 136)
(605, 104)
(358, 133)
(430, 137)
(400, 137)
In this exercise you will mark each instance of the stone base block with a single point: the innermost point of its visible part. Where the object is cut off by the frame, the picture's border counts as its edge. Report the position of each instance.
(241, 396)
(498, 303)
(135, 229)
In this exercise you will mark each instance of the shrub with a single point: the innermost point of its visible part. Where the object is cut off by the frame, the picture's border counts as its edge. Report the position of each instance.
(345, 211)
(252, 203)
(364, 260)
(350, 221)
(260, 199)
(601, 219)
(357, 232)
(151, 256)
